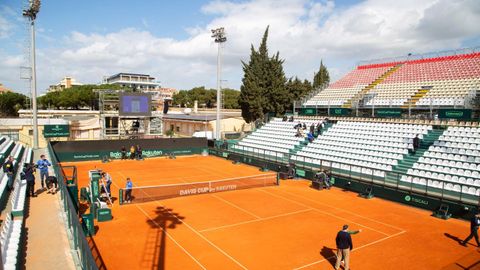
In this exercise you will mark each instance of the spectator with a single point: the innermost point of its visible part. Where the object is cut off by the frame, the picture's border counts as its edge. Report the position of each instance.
(128, 191)
(285, 118)
(132, 152)
(139, 152)
(299, 133)
(310, 136)
(123, 151)
(312, 128)
(416, 144)
(29, 175)
(9, 169)
(319, 128)
(291, 119)
(297, 126)
(304, 126)
(42, 165)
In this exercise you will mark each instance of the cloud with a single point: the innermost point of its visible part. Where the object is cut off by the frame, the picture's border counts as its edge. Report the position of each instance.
(5, 27)
(303, 31)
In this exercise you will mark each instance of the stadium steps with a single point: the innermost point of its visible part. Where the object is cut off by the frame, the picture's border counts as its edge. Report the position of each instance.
(408, 160)
(412, 101)
(360, 95)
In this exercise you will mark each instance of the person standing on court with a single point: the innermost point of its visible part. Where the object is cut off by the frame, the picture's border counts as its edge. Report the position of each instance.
(42, 165)
(9, 169)
(474, 224)
(344, 246)
(128, 191)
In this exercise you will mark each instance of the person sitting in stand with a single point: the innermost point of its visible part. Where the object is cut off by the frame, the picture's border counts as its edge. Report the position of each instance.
(299, 133)
(312, 128)
(139, 153)
(123, 151)
(132, 152)
(304, 126)
(285, 118)
(291, 119)
(310, 137)
(297, 126)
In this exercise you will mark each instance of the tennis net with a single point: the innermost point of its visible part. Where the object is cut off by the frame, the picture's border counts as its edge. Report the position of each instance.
(161, 192)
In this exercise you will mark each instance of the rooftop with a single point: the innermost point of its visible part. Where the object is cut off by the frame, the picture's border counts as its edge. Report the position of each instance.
(128, 74)
(197, 117)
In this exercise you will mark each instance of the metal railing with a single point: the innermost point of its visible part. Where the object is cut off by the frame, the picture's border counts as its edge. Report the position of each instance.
(78, 239)
(411, 57)
(358, 173)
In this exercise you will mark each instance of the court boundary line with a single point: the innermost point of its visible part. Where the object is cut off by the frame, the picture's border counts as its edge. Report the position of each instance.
(355, 249)
(346, 211)
(324, 212)
(255, 220)
(197, 233)
(166, 233)
(235, 206)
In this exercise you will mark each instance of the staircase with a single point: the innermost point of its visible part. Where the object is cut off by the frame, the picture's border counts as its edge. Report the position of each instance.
(408, 160)
(416, 97)
(369, 87)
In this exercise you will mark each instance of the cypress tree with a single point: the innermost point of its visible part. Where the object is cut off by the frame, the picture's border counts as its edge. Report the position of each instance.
(321, 77)
(263, 88)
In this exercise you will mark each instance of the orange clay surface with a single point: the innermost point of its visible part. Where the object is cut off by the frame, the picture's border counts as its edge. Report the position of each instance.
(290, 226)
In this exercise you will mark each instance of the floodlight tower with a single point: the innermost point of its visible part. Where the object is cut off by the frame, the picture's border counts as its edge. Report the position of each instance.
(31, 15)
(220, 37)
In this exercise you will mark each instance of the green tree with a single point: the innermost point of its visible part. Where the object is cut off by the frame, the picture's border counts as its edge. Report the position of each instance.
(10, 103)
(230, 98)
(75, 97)
(321, 77)
(263, 85)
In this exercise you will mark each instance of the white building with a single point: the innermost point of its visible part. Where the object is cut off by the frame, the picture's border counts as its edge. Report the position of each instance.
(65, 83)
(133, 80)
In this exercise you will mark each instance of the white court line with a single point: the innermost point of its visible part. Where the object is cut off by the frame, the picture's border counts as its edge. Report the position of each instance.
(169, 236)
(340, 209)
(256, 220)
(355, 249)
(236, 206)
(166, 233)
(323, 212)
(203, 237)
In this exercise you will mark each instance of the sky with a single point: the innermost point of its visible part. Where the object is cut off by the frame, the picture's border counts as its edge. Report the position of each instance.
(171, 40)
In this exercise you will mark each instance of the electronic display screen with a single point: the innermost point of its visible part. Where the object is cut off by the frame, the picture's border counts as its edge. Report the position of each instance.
(135, 104)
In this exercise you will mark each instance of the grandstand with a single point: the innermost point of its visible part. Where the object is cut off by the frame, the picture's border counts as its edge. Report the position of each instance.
(12, 236)
(445, 81)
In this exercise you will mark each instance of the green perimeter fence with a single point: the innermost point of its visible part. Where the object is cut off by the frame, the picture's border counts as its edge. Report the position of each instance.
(77, 237)
(306, 167)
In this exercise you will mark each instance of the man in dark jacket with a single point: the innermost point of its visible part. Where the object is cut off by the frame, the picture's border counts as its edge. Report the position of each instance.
(29, 174)
(344, 246)
(9, 170)
(416, 144)
(474, 224)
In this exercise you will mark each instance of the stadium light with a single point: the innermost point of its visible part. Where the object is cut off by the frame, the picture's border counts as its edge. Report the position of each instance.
(31, 15)
(219, 36)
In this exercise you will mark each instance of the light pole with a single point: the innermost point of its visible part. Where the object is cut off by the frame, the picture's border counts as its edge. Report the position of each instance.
(219, 37)
(31, 15)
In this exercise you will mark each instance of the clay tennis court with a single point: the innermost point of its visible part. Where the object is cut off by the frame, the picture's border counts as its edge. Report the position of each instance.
(289, 226)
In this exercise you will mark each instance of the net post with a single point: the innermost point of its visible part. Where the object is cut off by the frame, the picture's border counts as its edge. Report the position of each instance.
(278, 178)
(120, 196)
